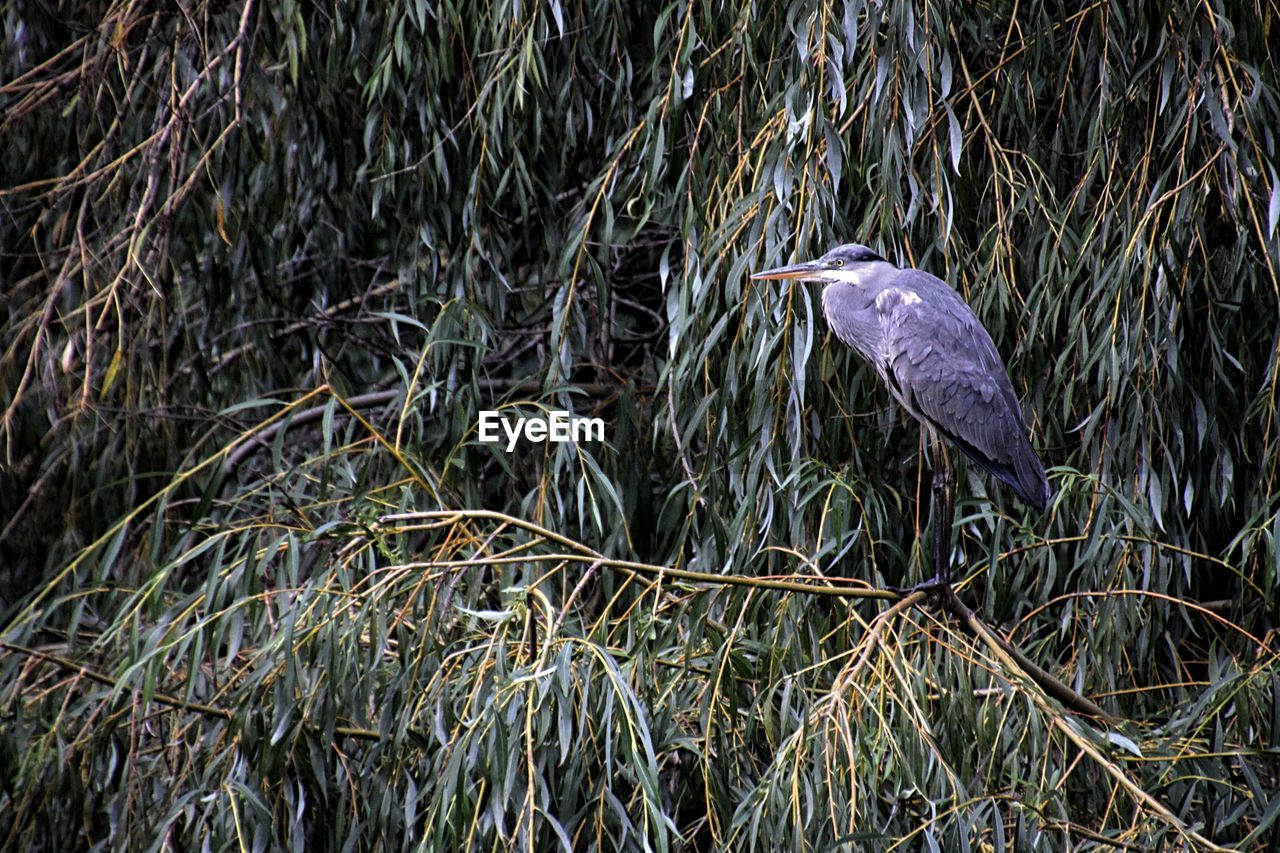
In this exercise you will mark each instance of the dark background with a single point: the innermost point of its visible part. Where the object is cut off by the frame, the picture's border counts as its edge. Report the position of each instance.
(380, 219)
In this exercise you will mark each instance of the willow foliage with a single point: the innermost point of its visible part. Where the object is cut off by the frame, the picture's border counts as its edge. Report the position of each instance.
(266, 263)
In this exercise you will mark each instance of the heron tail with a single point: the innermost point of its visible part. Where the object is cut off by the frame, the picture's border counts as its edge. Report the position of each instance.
(1024, 474)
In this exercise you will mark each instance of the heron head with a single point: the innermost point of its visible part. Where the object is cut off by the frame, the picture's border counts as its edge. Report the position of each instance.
(848, 264)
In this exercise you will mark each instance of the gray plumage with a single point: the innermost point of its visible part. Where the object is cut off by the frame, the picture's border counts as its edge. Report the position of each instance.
(933, 354)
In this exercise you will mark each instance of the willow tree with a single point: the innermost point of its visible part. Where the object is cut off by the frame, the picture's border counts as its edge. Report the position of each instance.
(265, 264)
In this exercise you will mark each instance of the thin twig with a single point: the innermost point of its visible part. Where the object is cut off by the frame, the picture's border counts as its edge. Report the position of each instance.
(164, 698)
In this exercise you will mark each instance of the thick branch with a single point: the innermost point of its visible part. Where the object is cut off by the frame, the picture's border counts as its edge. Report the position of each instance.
(1050, 685)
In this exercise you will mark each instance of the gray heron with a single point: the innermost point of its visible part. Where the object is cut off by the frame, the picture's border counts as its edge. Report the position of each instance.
(937, 361)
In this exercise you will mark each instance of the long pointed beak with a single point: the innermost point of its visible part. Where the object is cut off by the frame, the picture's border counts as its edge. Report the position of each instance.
(808, 269)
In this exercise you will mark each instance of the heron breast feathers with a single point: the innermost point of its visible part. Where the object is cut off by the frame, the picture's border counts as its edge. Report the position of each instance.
(892, 297)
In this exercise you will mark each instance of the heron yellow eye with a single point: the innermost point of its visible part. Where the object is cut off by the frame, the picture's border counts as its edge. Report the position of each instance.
(838, 262)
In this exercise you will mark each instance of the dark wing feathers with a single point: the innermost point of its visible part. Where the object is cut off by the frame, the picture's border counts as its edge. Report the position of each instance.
(941, 363)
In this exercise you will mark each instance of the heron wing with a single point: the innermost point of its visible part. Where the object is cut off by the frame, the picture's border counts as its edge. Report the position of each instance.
(942, 365)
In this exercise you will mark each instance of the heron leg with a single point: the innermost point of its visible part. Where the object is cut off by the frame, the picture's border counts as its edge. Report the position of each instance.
(944, 495)
(942, 511)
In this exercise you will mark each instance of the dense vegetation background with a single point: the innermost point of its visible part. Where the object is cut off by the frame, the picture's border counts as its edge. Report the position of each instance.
(265, 263)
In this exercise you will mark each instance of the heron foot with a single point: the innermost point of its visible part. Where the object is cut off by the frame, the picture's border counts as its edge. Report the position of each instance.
(935, 587)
